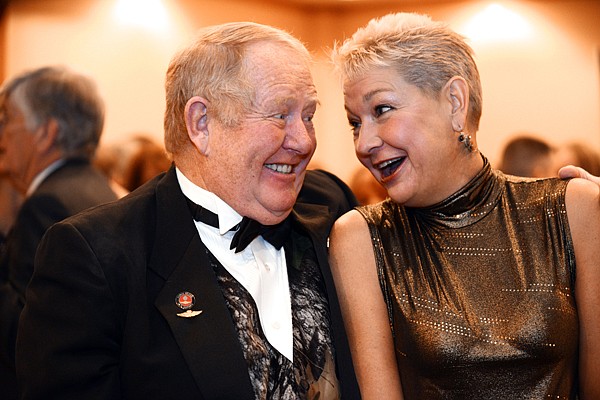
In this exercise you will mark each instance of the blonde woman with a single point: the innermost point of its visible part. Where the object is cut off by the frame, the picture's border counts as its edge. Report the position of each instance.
(465, 283)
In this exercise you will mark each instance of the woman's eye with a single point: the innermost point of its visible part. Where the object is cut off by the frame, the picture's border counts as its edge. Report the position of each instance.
(279, 116)
(308, 118)
(354, 126)
(381, 109)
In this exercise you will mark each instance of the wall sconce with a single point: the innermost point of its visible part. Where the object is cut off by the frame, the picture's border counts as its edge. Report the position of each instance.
(148, 14)
(497, 23)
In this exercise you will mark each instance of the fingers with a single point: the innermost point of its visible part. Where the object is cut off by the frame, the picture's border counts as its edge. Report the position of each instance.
(571, 171)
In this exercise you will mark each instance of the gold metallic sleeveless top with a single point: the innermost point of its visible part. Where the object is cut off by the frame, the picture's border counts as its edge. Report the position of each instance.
(479, 290)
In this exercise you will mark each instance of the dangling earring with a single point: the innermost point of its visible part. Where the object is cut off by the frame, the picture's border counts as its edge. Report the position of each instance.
(466, 140)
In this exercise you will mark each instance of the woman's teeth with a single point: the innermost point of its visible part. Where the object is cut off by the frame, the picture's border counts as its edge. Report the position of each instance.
(388, 167)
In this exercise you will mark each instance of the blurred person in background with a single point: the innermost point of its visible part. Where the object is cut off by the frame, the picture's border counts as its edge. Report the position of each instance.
(51, 120)
(10, 202)
(366, 188)
(133, 162)
(108, 160)
(580, 155)
(147, 160)
(528, 156)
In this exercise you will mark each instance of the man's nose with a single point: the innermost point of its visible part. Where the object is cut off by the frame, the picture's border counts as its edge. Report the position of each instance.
(300, 137)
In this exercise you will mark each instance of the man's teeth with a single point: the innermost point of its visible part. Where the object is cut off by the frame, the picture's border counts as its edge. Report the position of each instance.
(281, 168)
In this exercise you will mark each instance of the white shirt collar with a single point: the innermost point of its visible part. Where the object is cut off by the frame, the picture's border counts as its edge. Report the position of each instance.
(39, 178)
(260, 268)
(228, 217)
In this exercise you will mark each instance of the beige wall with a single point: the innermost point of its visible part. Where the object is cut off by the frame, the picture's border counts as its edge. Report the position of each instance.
(2, 40)
(548, 84)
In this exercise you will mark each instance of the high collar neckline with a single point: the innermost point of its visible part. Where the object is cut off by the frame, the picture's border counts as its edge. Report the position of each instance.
(469, 204)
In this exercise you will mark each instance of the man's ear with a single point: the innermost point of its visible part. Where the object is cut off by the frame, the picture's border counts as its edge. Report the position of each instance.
(46, 136)
(457, 93)
(196, 122)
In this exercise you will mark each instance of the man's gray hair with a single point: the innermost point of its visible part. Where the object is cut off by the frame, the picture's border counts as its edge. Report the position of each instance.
(70, 98)
(214, 67)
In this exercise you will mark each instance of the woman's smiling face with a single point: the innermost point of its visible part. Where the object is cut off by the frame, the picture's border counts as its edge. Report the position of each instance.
(404, 136)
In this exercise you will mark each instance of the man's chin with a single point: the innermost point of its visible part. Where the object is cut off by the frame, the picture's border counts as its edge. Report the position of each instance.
(272, 206)
(273, 216)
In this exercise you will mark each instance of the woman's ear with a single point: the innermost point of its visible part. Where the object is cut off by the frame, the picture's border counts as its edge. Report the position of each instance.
(196, 122)
(457, 92)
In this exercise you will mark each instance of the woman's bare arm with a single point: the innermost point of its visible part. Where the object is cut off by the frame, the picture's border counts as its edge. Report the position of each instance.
(583, 210)
(364, 309)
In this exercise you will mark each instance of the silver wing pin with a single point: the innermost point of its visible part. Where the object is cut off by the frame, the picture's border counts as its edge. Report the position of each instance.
(189, 314)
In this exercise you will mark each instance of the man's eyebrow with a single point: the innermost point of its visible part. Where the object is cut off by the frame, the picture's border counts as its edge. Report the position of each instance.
(312, 99)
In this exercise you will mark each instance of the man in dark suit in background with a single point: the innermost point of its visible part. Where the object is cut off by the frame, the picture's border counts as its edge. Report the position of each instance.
(162, 295)
(51, 120)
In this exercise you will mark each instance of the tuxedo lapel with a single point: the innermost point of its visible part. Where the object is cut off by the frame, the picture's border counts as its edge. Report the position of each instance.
(317, 220)
(208, 341)
(314, 219)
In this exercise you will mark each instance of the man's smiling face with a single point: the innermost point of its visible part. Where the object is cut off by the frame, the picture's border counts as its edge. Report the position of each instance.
(258, 167)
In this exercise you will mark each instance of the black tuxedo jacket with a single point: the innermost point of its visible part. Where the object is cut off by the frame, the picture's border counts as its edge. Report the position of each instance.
(73, 187)
(101, 317)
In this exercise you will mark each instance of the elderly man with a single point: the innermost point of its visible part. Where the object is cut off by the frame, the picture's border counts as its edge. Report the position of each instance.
(210, 281)
(51, 120)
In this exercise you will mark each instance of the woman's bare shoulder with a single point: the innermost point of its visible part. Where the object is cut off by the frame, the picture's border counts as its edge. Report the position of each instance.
(350, 225)
(582, 200)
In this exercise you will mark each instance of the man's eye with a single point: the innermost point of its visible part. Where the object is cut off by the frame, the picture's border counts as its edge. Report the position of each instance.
(381, 109)
(308, 118)
(279, 116)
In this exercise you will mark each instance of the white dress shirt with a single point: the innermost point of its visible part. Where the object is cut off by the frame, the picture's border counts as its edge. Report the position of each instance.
(39, 178)
(260, 268)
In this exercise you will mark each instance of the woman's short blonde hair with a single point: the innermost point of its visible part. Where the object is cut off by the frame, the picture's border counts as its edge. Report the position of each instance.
(425, 53)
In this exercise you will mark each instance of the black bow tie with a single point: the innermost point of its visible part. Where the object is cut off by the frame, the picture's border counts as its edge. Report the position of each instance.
(247, 230)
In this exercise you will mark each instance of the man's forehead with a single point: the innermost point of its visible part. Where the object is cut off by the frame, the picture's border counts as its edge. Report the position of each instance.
(306, 99)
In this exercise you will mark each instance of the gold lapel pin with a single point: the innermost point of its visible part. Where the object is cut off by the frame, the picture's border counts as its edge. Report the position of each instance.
(185, 301)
